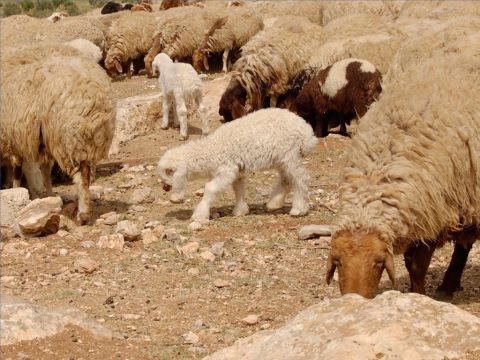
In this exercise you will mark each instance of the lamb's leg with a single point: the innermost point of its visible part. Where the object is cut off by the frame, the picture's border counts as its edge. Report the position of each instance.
(241, 207)
(202, 113)
(82, 180)
(46, 169)
(225, 62)
(166, 111)
(277, 198)
(222, 180)
(181, 110)
(417, 259)
(298, 176)
(273, 101)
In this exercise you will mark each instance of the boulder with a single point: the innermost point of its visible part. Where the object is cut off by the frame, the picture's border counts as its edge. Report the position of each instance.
(40, 217)
(391, 326)
(11, 201)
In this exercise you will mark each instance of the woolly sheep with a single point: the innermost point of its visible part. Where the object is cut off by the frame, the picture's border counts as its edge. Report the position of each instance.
(265, 139)
(180, 85)
(87, 48)
(337, 94)
(311, 10)
(181, 33)
(438, 9)
(272, 58)
(412, 175)
(56, 16)
(57, 109)
(168, 4)
(332, 10)
(142, 7)
(225, 35)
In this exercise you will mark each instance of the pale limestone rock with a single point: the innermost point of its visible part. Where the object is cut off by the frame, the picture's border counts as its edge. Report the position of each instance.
(40, 217)
(128, 229)
(392, 326)
(141, 196)
(115, 241)
(251, 319)
(189, 249)
(311, 231)
(86, 265)
(11, 201)
(207, 255)
(149, 237)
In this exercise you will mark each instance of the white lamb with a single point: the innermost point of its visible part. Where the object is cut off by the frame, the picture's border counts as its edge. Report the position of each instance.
(265, 139)
(180, 85)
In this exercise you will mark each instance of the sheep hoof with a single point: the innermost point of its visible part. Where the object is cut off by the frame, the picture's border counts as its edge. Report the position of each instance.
(164, 127)
(82, 218)
(176, 199)
(241, 210)
(199, 218)
(298, 212)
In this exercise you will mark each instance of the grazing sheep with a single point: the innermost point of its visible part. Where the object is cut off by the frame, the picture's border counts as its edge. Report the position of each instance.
(342, 91)
(265, 139)
(298, 82)
(57, 16)
(168, 4)
(226, 34)
(142, 7)
(87, 48)
(181, 33)
(272, 58)
(60, 110)
(311, 10)
(412, 176)
(180, 85)
(337, 9)
(112, 7)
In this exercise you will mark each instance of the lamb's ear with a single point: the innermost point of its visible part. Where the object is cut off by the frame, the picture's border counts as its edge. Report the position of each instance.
(205, 62)
(330, 270)
(390, 268)
(118, 66)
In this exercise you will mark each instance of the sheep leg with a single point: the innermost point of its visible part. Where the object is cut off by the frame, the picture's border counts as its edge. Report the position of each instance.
(36, 184)
(181, 110)
(273, 101)
(241, 207)
(417, 259)
(225, 60)
(166, 111)
(277, 198)
(17, 174)
(223, 179)
(46, 169)
(298, 177)
(202, 113)
(82, 180)
(452, 279)
(129, 69)
(148, 59)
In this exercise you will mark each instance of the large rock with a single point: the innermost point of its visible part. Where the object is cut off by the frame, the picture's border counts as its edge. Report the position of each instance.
(11, 201)
(391, 326)
(40, 217)
(20, 321)
(137, 115)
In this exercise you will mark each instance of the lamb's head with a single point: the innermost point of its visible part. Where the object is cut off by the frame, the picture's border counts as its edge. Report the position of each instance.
(200, 60)
(159, 61)
(233, 102)
(173, 175)
(360, 258)
(113, 65)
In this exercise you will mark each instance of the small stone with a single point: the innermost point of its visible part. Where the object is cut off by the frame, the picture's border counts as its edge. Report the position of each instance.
(190, 338)
(195, 226)
(141, 196)
(172, 235)
(63, 252)
(250, 319)
(199, 192)
(218, 249)
(112, 218)
(115, 241)
(149, 237)
(189, 249)
(198, 324)
(131, 316)
(207, 255)
(219, 283)
(311, 231)
(128, 229)
(96, 192)
(86, 265)
(265, 326)
(138, 208)
(197, 349)
(193, 271)
(159, 230)
(152, 224)
(323, 241)
(40, 217)
(87, 244)
(62, 233)
(99, 221)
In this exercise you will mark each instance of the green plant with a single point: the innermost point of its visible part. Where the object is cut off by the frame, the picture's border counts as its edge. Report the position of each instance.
(71, 8)
(11, 9)
(27, 5)
(97, 3)
(42, 5)
(57, 3)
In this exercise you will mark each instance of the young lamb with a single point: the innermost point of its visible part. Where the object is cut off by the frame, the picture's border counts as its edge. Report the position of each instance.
(227, 34)
(180, 86)
(265, 139)
(337, 94)
(59, 109)
(412, 176)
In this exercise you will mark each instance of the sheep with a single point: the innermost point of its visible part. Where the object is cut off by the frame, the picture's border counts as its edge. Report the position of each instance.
(272, 58)
(226, 34)
(180, 85)
(412, 175)
(57, 16)
(296, 85)
(57, 109)
(332, 10)
(142, 7)
(87, 48)
(180, 34)
(113, 7)
(168, 4)
(311, 10)
(342, 91)
(265, 139)
(130, 38)
(438, 9)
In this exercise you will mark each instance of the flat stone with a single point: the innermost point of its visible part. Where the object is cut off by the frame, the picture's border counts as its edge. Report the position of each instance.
(190, 338)
(149, 237)
(114, 241)
(11, 201)
(128, 229)
(141, 196)
(86, 265)
(251, 319)
(189, 249)
(111, 218)
(219, 283)
(312, 231)
(40, 217)
(207, 255)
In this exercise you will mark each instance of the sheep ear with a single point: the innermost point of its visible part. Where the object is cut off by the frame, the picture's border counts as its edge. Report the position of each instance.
(205, 62)
(330, 270)
(118, 66)
(390, 268)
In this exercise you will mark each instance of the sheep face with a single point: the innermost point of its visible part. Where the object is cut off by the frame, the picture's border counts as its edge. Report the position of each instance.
(113, 66)
(200, 60)
(233, 101)
(173, 178)
(360, 259)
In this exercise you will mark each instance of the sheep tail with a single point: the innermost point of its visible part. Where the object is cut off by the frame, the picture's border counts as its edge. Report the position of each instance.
(309, 143)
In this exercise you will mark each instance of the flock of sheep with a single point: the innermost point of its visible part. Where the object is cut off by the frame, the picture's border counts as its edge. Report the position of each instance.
(409, 71)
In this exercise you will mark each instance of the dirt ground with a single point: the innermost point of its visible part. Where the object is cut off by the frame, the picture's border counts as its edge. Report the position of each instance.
(151, 295)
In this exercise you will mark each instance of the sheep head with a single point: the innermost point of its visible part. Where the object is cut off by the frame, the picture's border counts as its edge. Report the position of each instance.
(200, 60)
(113, 66)
(360, 259)
(173, 177)
(233, 102)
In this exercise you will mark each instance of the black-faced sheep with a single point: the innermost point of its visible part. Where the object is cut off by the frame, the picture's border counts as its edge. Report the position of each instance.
(112, 7)
(265, 139)
(337, 94)
(60, 110)
(412, 175)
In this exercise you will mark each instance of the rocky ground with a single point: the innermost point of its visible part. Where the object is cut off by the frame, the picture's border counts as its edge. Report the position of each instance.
(172, 290)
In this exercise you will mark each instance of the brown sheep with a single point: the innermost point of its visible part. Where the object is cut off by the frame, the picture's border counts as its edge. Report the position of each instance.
(337, 94)
(167, 4)
(142, 7)
(232, 102)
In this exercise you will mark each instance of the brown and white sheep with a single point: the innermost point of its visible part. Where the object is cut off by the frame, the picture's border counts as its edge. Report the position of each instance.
(225, 35)
(168, 4)
(58, 109)
(412, 175)
(337, 94)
